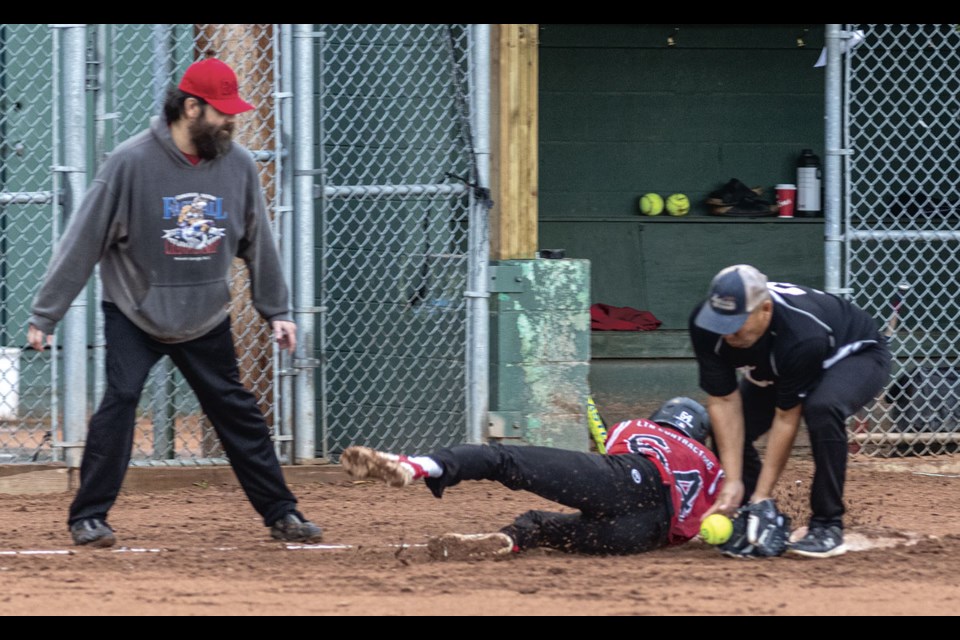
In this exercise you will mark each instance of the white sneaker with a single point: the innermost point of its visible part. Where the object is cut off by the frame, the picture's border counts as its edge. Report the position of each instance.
(395, 470)
(464, 546)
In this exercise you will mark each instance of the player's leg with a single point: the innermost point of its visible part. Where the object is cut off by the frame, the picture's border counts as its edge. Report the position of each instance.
(585, 481)
(131, 354)
(845, 388)
(644, 530)
(209, 364)
(590, 482)
(622, 499)
(759, 406)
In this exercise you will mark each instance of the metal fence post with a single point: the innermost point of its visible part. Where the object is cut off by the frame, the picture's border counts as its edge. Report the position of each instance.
(285, 221)
(162, 409)
(101, 144)
(478, 300)
(303, 294)
(833, 143)
(74, 155)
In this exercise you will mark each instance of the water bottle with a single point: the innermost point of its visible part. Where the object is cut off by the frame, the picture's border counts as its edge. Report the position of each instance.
(808, 185)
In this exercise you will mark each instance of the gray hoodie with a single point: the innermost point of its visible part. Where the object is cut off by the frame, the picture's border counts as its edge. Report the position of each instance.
(165, 233)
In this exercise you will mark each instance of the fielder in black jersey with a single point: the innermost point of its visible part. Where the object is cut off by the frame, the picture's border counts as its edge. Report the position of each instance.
(800, 353)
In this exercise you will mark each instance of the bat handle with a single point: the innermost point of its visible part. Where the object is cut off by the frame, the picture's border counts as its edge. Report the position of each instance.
(597, 429)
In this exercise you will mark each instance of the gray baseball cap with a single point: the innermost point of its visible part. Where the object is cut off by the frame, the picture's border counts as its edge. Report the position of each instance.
(734, 294)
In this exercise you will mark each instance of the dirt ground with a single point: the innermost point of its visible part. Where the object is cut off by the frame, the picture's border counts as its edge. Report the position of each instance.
(200, 550)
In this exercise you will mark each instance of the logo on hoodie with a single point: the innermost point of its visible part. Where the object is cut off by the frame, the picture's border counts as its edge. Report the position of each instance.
(196, 231)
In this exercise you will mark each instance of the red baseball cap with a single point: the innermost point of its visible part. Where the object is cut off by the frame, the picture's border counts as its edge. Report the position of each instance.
(215, 82)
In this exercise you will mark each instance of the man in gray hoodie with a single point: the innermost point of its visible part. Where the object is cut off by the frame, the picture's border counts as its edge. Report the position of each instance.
(165, 216)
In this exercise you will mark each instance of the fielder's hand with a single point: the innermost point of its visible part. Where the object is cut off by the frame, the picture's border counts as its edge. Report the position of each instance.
(729, 499)
(767, 529)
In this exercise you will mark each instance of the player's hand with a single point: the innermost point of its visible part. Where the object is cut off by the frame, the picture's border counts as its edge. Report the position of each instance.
(37, 338)
(285, 333)
(729, 500)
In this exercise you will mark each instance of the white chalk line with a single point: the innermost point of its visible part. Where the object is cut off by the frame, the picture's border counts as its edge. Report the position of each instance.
(308, 547)
(290, 547)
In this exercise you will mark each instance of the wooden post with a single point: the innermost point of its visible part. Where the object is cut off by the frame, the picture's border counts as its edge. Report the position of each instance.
(514, 141)
(248, 49)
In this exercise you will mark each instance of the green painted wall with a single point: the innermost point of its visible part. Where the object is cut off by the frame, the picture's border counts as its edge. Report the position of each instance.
(540, 353)
(665, 266)
(623, 113)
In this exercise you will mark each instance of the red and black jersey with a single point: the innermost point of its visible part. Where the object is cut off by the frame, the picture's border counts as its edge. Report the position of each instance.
(691, 471)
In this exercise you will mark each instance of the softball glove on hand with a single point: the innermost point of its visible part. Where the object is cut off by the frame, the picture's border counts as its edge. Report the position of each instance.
(768, 530)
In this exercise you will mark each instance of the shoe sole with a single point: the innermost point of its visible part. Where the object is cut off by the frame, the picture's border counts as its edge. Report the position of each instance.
(99, 543)
(836, 551)
(463, 546)
(363, 462)
(313, 538)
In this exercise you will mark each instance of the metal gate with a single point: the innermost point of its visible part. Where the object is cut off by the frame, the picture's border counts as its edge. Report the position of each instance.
(392, 240)
(901, 205)
(369, 174)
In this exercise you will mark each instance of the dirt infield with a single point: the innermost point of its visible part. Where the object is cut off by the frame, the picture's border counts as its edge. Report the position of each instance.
(199, 549)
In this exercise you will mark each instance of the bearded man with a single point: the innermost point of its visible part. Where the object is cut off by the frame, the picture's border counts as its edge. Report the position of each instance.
(163, 296)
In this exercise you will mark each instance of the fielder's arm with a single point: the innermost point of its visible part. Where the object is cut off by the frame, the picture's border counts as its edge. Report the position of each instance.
(726, 418)
(780, 438)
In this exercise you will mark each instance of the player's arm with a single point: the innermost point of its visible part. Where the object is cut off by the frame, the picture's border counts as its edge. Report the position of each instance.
(783, 431)
(269, 292)
(801, 368)
(88, 234)
(726, 416)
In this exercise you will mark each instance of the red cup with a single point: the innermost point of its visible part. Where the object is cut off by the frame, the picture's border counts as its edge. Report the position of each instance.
(786, 199)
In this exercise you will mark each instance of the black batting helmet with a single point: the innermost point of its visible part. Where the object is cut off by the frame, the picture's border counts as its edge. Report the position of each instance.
(686, 416)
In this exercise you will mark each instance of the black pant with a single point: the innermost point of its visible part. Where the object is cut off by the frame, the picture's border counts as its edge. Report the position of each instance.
(622, 500)
(209, 364)
(845, 388)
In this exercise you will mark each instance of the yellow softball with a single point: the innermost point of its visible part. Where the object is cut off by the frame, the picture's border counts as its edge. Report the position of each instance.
(678, 205)
(651, 204)
(716, 528)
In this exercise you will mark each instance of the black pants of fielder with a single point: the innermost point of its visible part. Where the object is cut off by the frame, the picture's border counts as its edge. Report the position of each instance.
(622, 501)
(845, 388)
(209, 364)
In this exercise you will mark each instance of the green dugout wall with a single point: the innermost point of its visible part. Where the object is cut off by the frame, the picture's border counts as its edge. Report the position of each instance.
(630, 109)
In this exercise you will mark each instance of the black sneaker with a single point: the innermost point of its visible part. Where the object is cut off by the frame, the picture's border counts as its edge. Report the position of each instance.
(92, 532)
(293, 528)
(738, 546)
(820, 542)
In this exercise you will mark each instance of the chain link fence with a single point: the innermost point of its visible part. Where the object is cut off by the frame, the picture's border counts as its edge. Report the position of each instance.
(393, 236)
(902, 217)
(28, 209)
(171, 428)
(391, 227)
